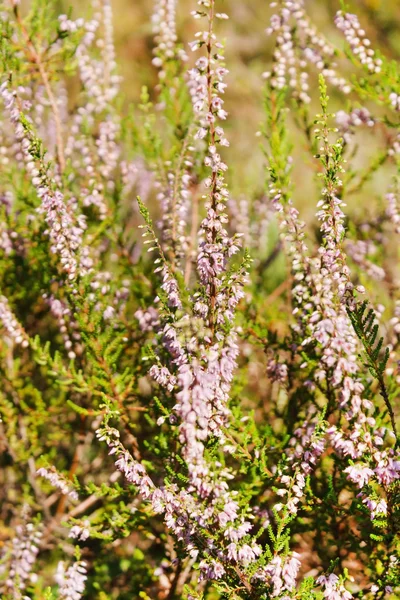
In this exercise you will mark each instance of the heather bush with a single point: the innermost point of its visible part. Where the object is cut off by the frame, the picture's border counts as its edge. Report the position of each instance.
(200, 379)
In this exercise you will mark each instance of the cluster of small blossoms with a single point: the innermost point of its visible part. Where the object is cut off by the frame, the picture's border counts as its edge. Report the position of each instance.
(134, 471)
(318, 317)
(375, 589)
(21, 559)
(333, 588)
(135, 174)
(63, 314)
(346, 122)
(92, 147)
(64, 230)
(362, 441)
(293, 237)
(332, 228)
(174, 197)
(294, 51)
(286, 62)
(58, 481)
(66, 24)
(201, 406)
(216, 247)
(81, 533)
(6, 244)
(393, 211)
(359, 43)
(324, 319)
(170, 286)
(376, 507)
(395, 100)
(111, 78)
(84, 114)
(100, 82)
(202, 372)
(330, 324)
(108, 150)
(149, 320)
(281, 574)
(71, 581)
(306, 447)
(164, 28)
(339, 344)
(9, 240)
(202, 393)
(182, 515)
(13, 328)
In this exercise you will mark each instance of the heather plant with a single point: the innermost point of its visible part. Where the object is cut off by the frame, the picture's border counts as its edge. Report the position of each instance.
(200, 388)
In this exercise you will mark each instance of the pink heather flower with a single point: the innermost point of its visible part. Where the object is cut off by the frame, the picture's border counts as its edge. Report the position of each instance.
(235, 533)
(392, 210)
(333, 589)
(359, 474)
(387, 470)
(58, 481)
(71, 581)
(14, 330)
(348, 121)
(149, 319)
(80, 533)
(395, 100)
(211, 570)
(359, 43)
(229, 513)
(247, 554)
(164, 28)
(376, 507)
(290, 570)
(232, 552)
(163, 377)
(134, 472)
(273, 572)
(24, 551)
(64, 230)
(108, 313)
(171, 288)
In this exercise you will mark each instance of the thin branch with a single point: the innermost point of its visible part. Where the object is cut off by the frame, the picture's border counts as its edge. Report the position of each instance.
(36, 59)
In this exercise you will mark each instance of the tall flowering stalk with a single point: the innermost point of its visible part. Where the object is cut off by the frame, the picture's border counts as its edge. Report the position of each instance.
(64, 230)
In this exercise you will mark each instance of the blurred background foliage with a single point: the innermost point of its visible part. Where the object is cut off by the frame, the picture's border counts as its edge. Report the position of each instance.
(248, 55)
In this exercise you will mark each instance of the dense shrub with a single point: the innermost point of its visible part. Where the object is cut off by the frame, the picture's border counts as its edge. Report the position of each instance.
(199, 389)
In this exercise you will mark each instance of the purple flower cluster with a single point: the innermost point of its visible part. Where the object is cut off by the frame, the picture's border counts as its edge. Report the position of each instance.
(14, 329)
(297, 47)
(64, 230)
(359, 43)
(21, 559)
(71, 581)
(58, 481)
